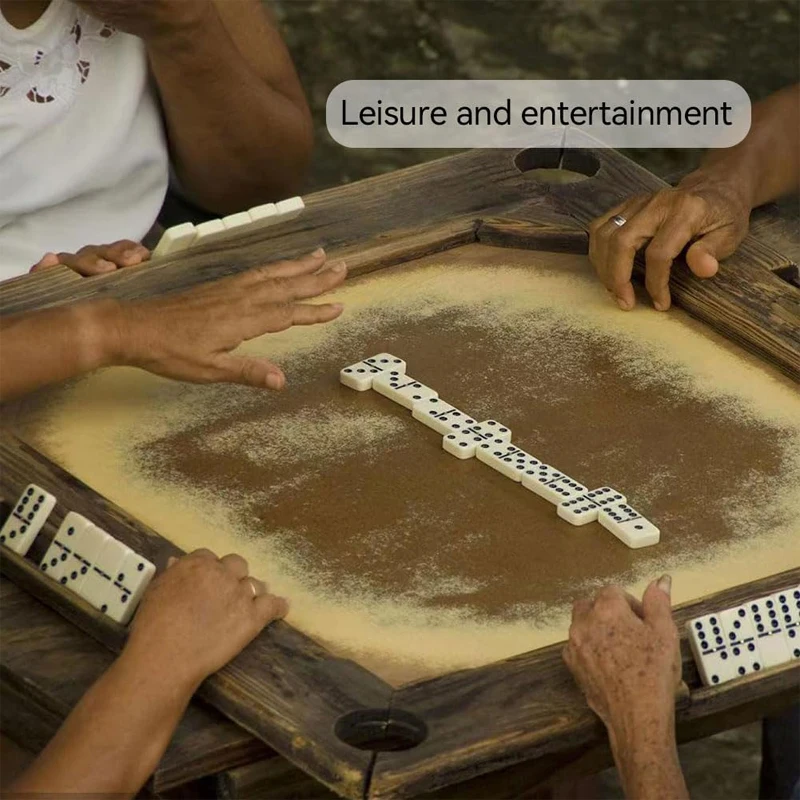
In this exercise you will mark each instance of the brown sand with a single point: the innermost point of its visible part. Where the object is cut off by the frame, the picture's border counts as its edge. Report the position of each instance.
(412, 561)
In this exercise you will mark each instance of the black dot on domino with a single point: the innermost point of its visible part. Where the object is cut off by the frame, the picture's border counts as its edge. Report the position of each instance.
(104, 608)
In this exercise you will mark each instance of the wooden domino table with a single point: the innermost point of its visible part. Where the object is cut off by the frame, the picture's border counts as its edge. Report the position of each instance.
(473, 269)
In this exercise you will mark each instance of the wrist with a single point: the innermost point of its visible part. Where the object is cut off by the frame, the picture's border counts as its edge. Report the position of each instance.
(650, 725)
(726, 176)
(98, 331)
(167, 675)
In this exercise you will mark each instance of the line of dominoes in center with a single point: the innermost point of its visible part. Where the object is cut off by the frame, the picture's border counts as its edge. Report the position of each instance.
(490, 442)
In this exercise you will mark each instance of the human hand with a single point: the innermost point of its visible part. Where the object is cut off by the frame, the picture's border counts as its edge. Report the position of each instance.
(150, 19)
(625, 656)
(200, 613)
(190, 336)
(97, 259)
(706, 210)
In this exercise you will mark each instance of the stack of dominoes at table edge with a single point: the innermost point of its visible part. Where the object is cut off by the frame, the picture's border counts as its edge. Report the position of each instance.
(756, 635)
(186, 235)
(82, 557)
(490, 442)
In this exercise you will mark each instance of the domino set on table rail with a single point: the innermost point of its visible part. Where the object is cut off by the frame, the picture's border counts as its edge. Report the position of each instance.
(756, 635)
(186, 235)
(82, 557)
(490, 442)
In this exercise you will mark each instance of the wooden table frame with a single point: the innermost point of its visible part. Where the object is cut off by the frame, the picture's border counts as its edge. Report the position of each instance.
(286, 689)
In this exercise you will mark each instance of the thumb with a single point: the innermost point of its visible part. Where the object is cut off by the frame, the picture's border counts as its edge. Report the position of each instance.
(250, 371)
(657, 602)
(704, 255)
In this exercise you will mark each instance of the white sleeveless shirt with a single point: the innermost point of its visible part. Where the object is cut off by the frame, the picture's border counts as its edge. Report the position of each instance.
(83, 154)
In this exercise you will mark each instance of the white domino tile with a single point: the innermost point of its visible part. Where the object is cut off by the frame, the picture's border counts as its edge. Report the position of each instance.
(555, 491)
(26, 519)
(745, 658)
(263, 216)
(540, 473)
(290, 208)
(606, 496)
(209, 231)
(402, 389)
(774, 648)
(463, 444)
(234, 222)
(441, 416)
(98, 587)
(738, 625)
(707, 640)
(175, 239)
(787, 604)
(578, 510)
(628, 525)
(507, 459)
(58, 558)
(770, 632)
(130, 583)
(88, 543)
(359, 376)
(493, 430)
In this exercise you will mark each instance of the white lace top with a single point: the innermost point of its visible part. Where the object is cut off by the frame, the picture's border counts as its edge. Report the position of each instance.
(83, 155)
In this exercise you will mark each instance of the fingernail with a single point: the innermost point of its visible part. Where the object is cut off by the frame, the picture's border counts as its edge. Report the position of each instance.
(665, 584)
(318, 253)
(623, 304)
(106, 266)
(339, 266)
(274, 381)
(659, 305)
(170, 561)
(132, 253)
(338, 306)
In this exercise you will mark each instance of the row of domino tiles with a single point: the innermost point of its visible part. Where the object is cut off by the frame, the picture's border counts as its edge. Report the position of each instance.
(186, 235)
(735, 642)
(82, 557)
(490, 442)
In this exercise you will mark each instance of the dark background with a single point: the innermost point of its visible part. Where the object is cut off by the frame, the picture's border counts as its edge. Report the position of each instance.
(753, 42)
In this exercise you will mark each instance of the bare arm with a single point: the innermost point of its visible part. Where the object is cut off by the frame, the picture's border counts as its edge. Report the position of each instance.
(625, 657)
(238, 124)
(766, 164)
(709, 210)
(115, 736)
(188, 336)
(197, 615)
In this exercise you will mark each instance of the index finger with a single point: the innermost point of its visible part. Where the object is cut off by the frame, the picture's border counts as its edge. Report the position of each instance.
(288, 290)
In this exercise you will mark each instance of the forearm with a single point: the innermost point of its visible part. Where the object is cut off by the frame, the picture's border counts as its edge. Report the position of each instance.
(766, 164)
(236, 140)
(50, 346)
(115, 736)
(646, 756)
